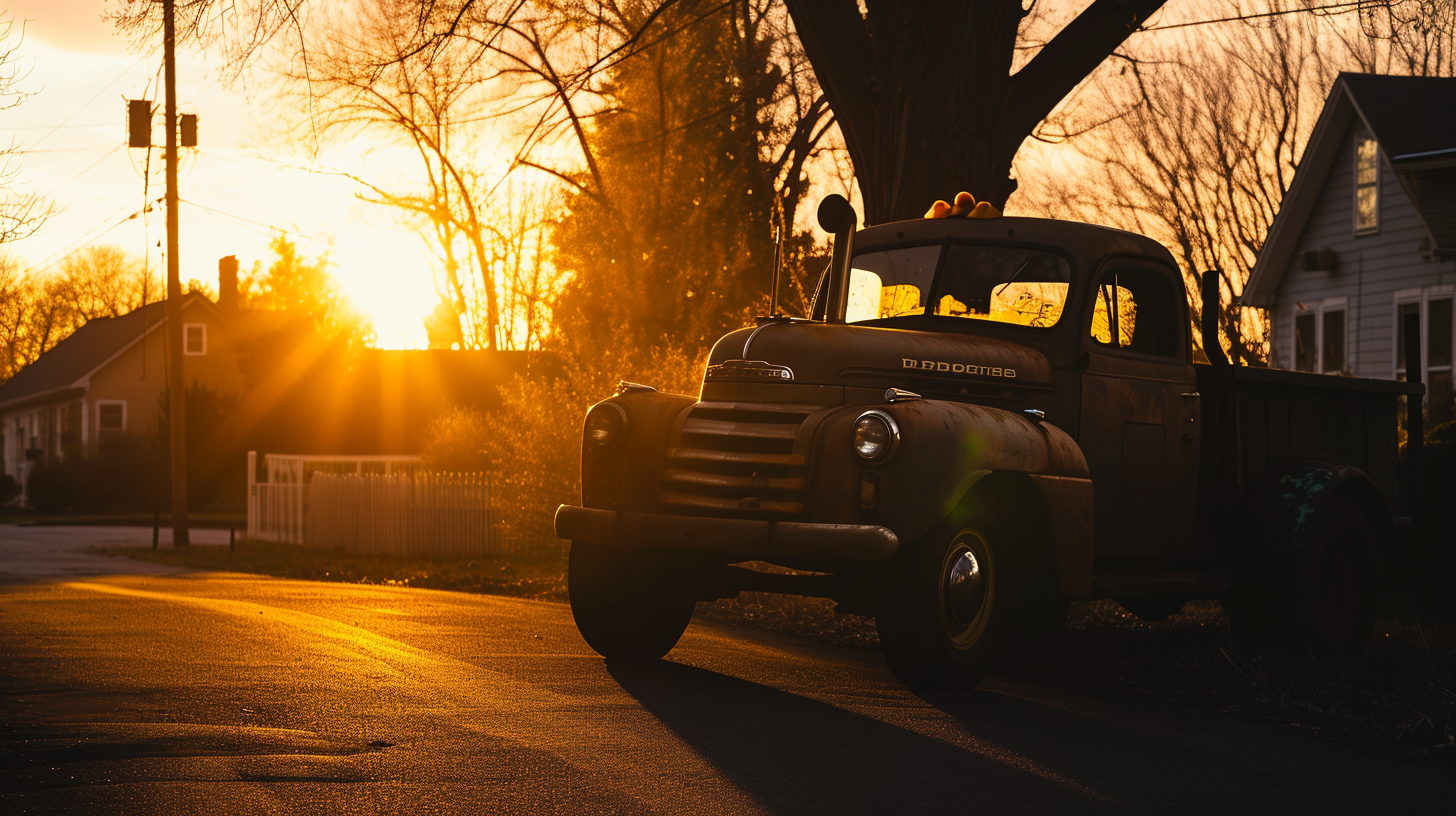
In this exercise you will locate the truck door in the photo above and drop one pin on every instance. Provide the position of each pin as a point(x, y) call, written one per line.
point(1140, 410)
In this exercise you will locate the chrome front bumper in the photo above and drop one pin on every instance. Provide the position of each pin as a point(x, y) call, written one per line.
point(749, 538)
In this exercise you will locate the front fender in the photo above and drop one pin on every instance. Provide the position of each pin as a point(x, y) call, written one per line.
point(628, 473)
point(944, 449)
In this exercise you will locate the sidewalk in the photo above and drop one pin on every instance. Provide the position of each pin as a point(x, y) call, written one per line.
point(30, 552)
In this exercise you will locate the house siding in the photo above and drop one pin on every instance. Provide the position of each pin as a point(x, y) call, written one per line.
point(138, 375)
point(1371, 268)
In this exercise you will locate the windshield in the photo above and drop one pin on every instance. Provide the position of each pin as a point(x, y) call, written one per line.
point(1002, 284)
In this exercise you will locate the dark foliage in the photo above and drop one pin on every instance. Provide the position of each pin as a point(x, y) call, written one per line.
point(215, 472)
point(677, 245)
point(121, 476)
point(1433, 517)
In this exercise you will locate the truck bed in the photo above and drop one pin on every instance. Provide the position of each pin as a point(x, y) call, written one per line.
point(1257, 416)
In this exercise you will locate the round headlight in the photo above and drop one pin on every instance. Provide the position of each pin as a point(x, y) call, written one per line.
point(605, 424)
point(875, 435)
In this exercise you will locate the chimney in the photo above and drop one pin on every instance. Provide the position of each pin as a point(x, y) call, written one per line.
point(227, 282)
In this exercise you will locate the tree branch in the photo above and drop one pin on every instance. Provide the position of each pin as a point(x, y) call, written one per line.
point(1074, 53)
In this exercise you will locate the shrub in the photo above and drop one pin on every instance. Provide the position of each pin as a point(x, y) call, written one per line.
point(215, 475)
point(455, 441)
point(532, 442)
point(122, 476)
point(51, 487)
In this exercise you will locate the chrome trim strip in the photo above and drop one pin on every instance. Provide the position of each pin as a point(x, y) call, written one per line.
point(751, 335)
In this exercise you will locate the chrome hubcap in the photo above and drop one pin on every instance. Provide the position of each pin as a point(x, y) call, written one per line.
point(965, 588)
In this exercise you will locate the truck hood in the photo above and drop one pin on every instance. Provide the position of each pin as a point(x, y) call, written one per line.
point(872, 357)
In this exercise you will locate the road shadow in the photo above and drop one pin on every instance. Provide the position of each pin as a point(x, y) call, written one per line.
point(1100, 753)
point(797, 755)
point(1157, 757)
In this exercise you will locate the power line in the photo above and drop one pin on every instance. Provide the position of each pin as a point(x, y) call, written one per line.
point(272, 228)
point(89, 237)
point(55, 150)
point(88, 102)
point(88, 169)
point(63, 127)
point(1333, 7)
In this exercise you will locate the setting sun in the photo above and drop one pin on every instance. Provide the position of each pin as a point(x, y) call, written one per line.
point(239, 190)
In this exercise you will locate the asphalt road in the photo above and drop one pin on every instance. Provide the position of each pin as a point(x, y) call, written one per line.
point(221, 693)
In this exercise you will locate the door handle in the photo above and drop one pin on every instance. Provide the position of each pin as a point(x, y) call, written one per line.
point(1190, 394)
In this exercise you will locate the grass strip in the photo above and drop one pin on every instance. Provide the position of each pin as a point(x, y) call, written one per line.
point(540, 578)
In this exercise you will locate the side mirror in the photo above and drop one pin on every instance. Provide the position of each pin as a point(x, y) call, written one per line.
point(836, 215)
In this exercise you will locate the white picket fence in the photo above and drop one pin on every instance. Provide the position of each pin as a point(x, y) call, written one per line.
point(278, 507)
point(419, 515)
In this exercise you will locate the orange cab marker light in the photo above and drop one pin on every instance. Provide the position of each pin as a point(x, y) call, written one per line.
point(965, 206)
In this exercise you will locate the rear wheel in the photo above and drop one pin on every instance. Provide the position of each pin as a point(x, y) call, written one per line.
point(1321, 593)
point(949, 605)
point(1336, 583)
point(629, 604)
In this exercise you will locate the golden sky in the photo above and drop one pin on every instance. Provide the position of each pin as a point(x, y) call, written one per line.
point(72, 134)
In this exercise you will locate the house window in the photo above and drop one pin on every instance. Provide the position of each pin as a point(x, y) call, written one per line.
point(1440, 402)
point(1332, 342)
point(1433, 308)
point(111, 416)
point(1319, 337)
point(195, 338)
point(1305, 358)
point(1367, 186)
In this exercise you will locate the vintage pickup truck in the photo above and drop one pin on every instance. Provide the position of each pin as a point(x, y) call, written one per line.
point(983, 420)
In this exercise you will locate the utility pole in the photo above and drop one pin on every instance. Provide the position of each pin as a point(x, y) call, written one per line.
point(176, 382)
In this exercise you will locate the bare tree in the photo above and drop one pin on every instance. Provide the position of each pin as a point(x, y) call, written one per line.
point(16, 294)
point(455, 82)
point(1414, 37)
point(1195, 141)
point(37, 310)
point(102, 280)
point(923, 91)
point(369, 78)
point(925, 94)
point(239, 29)
point(21, 212)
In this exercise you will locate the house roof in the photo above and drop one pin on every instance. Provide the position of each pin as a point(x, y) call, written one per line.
point(1413, 119)
point(74, 358)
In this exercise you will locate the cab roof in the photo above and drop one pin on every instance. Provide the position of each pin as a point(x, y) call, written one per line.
point(1088, 242)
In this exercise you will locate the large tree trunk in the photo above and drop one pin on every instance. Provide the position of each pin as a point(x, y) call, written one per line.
point(924, 94)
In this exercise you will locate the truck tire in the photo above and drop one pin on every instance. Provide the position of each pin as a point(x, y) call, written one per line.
point(948, 605)
point(1336, 586)
point(1320, 593)
point(629, 604)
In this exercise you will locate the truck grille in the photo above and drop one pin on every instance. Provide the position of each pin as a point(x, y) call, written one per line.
point(738, 458)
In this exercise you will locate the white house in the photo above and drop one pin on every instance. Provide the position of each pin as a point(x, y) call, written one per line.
point(1367, 234)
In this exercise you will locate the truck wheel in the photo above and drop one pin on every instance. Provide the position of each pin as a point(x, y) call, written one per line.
point(1320, 593)
point(948, 605)
point(1337, 583)
point(628, 604)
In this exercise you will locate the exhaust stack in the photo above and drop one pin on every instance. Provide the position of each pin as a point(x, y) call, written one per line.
point(836, 216)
